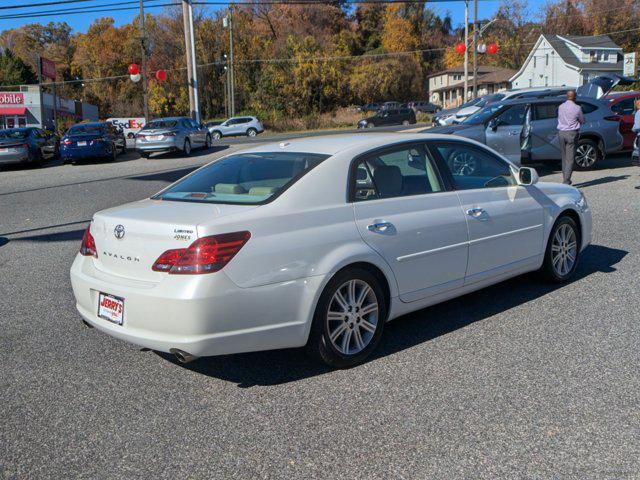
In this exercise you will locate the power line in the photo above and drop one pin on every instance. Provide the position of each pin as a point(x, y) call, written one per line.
point(71, 10)
point(42, 4)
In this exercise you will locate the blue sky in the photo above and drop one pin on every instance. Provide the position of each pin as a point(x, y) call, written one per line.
point(80, 22)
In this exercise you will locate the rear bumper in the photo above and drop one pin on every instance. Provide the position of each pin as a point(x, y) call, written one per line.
point(150, 147)
point(202, 315)
point(18, 157)
point(90, 151)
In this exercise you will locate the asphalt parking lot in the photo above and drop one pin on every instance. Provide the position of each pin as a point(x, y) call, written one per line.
point(521, 380)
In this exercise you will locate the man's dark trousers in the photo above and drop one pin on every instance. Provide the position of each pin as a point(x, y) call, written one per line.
point(568, 140)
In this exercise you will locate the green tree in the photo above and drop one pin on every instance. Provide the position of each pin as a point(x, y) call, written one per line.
point(13, 71)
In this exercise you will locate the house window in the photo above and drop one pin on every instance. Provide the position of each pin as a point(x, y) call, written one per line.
point(546, 59)
point(534, 61)
point(593, 56)
point(531, 82)
point(605, 56)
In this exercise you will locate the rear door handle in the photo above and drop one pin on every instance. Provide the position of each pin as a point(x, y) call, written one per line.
point(475, 212)
point(380, 227)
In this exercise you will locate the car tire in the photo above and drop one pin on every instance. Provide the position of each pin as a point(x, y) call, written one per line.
point(406, 123)
point(124, 147)
point(207, 143)
point(252, 132)
point(341, 336)
point(186, 148)
point(370, 125)
point(563, 251)
point(145, 154)
point(217, 135)
point(587, 154)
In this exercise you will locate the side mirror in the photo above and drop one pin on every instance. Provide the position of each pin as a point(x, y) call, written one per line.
point(493, 124)
point(527, 176)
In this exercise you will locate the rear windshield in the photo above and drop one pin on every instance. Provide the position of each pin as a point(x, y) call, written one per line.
point(249, 178)
point(10, 134)
point(161, 124)
point(82, 129)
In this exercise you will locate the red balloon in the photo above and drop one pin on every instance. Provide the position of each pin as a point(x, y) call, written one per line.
point(492, 48)
point(161, 75)
point(133, 69)
point(461, 48)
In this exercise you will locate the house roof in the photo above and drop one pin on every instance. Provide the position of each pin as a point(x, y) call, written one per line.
point(592, 41)
point(460, 69)
point(497, 75)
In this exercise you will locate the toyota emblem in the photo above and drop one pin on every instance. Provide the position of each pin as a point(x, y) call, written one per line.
point(119, 231)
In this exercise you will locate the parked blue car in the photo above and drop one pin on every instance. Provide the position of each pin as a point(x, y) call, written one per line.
point(92, 140)
point(27, 145)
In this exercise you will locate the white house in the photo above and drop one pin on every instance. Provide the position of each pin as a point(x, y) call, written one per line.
point(557, 60)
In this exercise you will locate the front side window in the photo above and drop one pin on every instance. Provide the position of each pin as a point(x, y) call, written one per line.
point(248, 179)
point(399, 172)
point(513, 116)
point(473, 167)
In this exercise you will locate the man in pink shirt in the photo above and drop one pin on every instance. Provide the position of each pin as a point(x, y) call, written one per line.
point(570, 119)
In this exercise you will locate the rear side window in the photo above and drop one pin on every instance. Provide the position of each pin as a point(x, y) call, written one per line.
point(624, 106)
point(399, 172)
point(545, 111)
point(472, 167)
point(587, 107)
point(513, 116)
point(250, 178)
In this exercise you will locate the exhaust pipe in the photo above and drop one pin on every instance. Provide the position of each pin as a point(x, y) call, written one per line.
point(183, 357)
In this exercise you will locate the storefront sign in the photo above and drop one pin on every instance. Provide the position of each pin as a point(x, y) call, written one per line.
point(48, 68)
point(11, 98)
point(630, 64)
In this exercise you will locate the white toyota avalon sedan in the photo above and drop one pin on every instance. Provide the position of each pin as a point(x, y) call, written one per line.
point(318, 242)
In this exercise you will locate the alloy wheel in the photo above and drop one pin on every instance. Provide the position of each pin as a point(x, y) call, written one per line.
point(216, 135)
point(251, 132)
point(564, 250)
point(352, 317)
point(586, 155)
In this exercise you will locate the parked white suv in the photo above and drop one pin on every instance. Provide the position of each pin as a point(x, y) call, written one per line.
point(249, 126)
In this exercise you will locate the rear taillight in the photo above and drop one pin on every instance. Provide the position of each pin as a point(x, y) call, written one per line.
point(205, 255)
point(66, 141)
point(88, 246)
point(170, 134)
point(612, 118)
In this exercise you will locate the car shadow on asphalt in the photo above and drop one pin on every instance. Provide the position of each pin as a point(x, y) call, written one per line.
point(195, 153)
point(283, 366)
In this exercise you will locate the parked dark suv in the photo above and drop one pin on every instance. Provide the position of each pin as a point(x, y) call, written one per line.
point(400, 116)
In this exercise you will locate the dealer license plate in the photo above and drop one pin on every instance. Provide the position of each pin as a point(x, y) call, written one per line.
point(82, 144)
point(111, 308)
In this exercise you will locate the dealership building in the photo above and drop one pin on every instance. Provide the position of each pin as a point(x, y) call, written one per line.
point(29, 107)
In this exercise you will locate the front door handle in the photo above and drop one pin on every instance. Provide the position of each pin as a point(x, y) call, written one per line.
point(380, 227)
point(475, 212)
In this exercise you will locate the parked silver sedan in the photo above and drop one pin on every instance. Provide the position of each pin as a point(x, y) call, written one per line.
point(170, 135)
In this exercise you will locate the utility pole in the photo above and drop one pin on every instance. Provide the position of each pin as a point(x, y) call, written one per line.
point(192, 77)
point(227, 22)
point(143, 51)
point(475, 48)
point(466, 50)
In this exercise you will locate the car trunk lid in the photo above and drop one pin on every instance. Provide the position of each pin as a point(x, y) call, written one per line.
point(130, 238)
point(599, 86)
